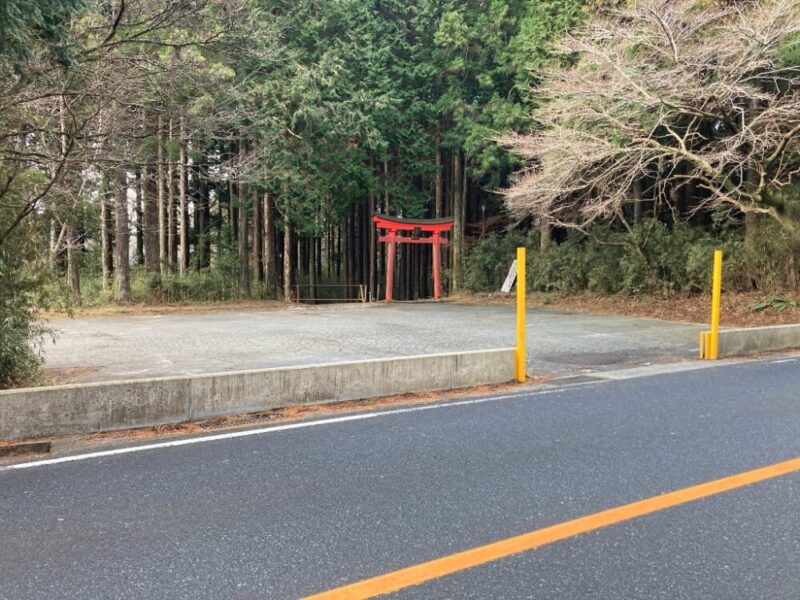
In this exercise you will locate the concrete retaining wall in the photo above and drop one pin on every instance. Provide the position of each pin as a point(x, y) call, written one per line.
point(734, 342)
point(84, 408)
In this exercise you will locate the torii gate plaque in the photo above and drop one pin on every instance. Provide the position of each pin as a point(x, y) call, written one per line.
point(414, 229)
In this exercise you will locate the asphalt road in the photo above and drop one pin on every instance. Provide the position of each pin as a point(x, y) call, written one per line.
point(133, 347)
point(295, 511)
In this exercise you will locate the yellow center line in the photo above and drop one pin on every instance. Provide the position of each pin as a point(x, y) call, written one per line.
point(417, 574)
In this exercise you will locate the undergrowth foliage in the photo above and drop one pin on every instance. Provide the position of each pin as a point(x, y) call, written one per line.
point(21, 332)
point(653, 258)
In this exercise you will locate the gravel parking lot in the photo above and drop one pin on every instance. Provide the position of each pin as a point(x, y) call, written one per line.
point(131, 347)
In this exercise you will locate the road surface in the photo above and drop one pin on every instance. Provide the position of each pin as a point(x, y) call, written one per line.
point(303, 508)
point(133, 347)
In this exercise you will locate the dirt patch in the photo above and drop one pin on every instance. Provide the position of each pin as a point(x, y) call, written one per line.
point(67, 375)
point(115, 310)
point(736, 311)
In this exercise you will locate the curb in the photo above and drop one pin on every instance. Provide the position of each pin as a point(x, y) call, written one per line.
point(94, 407)
point(754, 340)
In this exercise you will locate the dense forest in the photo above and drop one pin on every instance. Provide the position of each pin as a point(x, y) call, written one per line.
point(170, 150)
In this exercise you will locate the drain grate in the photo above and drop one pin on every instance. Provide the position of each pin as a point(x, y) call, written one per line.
point(25, 448)
point(588, 359)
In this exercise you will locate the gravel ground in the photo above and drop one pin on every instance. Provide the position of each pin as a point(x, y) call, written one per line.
point(559, 343)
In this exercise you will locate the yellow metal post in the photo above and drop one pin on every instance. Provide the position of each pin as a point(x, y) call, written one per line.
point(519, 363)
point(716, 297)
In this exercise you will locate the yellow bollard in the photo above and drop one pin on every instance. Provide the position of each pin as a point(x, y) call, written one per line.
point(716, 297)
point(519, 362)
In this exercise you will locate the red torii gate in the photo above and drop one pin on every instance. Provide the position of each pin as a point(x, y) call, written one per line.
point(415, 227)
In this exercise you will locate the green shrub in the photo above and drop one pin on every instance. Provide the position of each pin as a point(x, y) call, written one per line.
point(774, 303)
point(769, 260)
point(486, 265)
point(562, 268)
point(21, 332)
point(653, 257)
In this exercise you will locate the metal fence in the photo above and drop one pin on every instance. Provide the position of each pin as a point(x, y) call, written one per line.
point(308, 294)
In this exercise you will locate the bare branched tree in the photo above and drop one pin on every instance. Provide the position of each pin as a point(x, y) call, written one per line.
point(664, 92)
point(139, 56)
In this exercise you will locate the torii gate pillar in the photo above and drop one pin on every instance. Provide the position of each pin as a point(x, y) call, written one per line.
point(437, 266)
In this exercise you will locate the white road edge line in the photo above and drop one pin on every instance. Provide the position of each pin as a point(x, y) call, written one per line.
point(265, 430)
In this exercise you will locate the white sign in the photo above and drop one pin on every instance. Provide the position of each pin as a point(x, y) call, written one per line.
point(510, 278)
